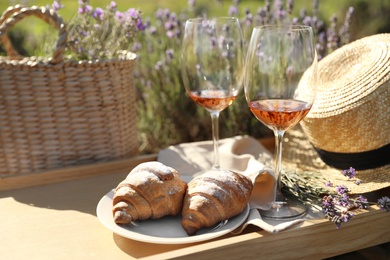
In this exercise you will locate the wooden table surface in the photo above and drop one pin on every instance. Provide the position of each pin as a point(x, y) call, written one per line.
point(53, 216)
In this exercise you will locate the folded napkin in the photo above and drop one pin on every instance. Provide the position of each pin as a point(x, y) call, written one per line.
point(242, 154)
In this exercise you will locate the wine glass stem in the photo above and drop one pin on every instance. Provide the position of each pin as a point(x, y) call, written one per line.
point(278, 163)
point(215, 133)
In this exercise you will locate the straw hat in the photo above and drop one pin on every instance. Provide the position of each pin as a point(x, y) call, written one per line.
point(349, 123)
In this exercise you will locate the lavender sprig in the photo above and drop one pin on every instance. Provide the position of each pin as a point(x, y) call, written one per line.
point(332, 213)
point(384, 203)
point(330, 203)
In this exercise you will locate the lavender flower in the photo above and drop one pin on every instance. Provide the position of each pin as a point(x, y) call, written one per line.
point(57, 6)
point(361, 202)
point(344, 30)
point(119, 17)
point(112, 7)
point(384, 203)
point(233, 10)
point(343, 200)
point(85, 9)
point(158, 65)
point(170, 54)
point(98, 14)
point(342, 189)
point(343, 216)
point(248, 17)
point(334, 215)
point(350, 173)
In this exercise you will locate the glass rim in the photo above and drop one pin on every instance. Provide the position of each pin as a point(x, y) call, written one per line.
point(201, 19)
point(292, 27)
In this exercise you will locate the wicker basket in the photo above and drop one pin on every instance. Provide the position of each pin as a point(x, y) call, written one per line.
point(55, 112)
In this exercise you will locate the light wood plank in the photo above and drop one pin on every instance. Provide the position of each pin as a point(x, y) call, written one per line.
point(318, 241)
point(72, 173)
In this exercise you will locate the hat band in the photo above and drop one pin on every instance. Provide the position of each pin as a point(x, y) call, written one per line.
point(360, 161)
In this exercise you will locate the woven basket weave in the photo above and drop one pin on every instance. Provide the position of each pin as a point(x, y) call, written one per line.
point(56, 113)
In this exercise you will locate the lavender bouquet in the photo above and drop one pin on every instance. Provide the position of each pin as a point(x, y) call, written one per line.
point(97, 33)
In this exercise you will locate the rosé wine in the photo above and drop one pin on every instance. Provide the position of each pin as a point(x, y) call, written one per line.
point(212, 100)
point(279, 114)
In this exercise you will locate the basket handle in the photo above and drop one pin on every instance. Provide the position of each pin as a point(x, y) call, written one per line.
point(15, 14)
point(9, 48)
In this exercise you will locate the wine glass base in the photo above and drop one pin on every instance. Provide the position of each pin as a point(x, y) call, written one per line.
point(289, 208)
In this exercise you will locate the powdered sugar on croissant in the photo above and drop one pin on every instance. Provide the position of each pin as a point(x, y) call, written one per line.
point(213, 197)
point(151, 190)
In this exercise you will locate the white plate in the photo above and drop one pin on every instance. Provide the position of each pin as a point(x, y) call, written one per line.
point(167, 230)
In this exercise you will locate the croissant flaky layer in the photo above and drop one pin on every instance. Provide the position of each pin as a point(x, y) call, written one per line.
point(213, 197)
point(151, 190)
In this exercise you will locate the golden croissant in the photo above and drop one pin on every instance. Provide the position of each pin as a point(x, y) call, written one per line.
point(150, 191)
point(213, 197)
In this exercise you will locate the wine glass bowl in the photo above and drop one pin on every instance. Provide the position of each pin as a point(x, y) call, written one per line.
point(280, 83)
point(212, 66)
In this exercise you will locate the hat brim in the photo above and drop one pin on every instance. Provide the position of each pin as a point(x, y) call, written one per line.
point(299, 155)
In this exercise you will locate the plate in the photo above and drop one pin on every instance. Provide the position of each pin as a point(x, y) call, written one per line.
point(166, 230)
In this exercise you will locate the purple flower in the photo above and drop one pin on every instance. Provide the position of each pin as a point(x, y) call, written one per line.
point(328, 184)
point(248, 18)
point(350, 173)
point(119, 17)
point(152, 30)
point(85, 9)
point(112, 7)
point(56, 5)
point(158, 65)
point(98, 14)
point(136, 47)
point(361, 202)
point(159, 14)
point(140, 25)
point(131, 12)
point(213, 41)
point(168, 25)
point(169, 53)
point(328, 204)
point(344, 216)
point(334, 215)
point(342, 189)
point(343, 200)
point(384, 203)
point(170, 34)
point(233, 10)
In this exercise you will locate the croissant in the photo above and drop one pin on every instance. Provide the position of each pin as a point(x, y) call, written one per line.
point(150, 191)
point(213, 197)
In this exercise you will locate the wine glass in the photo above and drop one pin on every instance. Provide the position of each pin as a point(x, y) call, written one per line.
point(212, 65)
point(280, 83)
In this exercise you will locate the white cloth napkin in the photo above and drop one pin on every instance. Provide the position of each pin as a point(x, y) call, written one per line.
point(240, 154)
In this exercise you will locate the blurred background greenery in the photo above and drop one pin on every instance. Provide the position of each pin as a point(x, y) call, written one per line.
point(166, 115)
point(371, 16)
